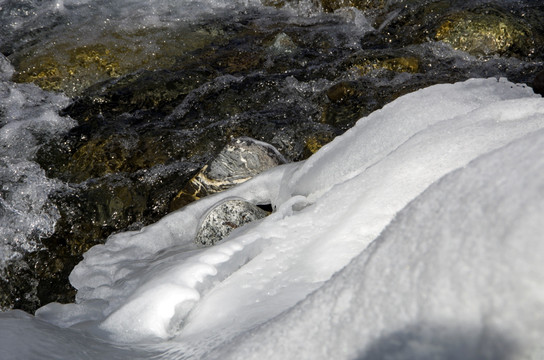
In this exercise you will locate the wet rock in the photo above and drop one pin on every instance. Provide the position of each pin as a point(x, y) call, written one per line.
point(332, 5)
point(89, 213)
point(239, 161)
point(283, 44)
point(486, 32)
point(347, 101)
point(317, 141)
point(341, 91)
point(156, 92)
point(116, 153)
point(538, 83)
point(18, 284)
point(71, 66)
point(409, 64)
point(506, 29)
point(223, 218)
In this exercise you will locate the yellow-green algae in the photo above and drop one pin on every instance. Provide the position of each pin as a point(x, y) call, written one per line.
point(485, 33)
point(409, 64)
point(71, 65)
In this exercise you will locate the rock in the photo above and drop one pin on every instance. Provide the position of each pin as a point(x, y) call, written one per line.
point(317, 141)
point(341, 91)
point(283, 44)
point(332, 5)
point(238, 162)
point(224, 218)
point(486, 32)
point(538, 83)
point(409, 64)
point(71, 65)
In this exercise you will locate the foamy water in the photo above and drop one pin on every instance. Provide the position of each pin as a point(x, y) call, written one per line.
point(29, 116)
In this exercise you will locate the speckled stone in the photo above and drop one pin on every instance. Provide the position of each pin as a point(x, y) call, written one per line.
point(239, 161)
point(224, 218)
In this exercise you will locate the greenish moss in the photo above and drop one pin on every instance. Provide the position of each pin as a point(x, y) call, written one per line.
point(486, 33)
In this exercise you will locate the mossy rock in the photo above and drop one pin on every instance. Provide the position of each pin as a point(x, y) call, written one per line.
point(332, 5)
point(317, 141)
point(71, 66)
point(347, 101)
point(408, 64)
point(487, 32)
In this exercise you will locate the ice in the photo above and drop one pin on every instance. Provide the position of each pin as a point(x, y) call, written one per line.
point(413, 235)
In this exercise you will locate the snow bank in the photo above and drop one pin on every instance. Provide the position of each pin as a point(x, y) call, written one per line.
point(457, 275)
point(457, 268)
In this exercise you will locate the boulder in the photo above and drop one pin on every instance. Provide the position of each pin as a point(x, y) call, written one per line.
point(486, 32)
point(238, 162)
point(224, 217)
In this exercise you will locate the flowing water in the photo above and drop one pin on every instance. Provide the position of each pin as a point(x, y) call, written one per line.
point(108, 108)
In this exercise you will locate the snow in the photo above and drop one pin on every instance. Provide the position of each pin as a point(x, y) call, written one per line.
point(456, 275)
point(415, 235)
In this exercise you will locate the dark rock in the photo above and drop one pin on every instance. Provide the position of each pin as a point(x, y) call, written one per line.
point(538, 83)
point(332, 5)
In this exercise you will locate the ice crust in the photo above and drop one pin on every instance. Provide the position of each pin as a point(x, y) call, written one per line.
point(415, 235)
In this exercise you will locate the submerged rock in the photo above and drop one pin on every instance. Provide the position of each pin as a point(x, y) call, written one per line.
point(486, 32)
point(283, 44)
point(332, 5)
point(238, 162)
point(315, 142)
point(222, 219)
point(408, 64)
point(71, 65)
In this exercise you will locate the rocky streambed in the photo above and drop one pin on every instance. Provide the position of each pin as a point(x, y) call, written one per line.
point(138, 100)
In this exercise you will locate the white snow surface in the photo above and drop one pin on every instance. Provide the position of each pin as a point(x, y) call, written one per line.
point(415, 235)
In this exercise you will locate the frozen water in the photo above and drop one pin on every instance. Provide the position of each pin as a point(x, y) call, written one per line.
point(414, 234)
